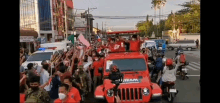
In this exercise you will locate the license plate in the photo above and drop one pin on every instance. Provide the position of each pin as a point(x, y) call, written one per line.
point(182, 63)
point(173, 90)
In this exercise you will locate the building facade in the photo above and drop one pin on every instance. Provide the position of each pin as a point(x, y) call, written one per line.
point(47, 17)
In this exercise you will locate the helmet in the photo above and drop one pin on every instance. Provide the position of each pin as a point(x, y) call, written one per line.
point(169, 62)
point(113, 68)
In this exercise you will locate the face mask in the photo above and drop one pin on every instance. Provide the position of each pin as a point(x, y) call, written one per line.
point(96, 59)
point(62, 96)
point(34, 88)
point(133, 38)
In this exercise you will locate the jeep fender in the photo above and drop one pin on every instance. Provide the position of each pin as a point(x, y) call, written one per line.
point(156, 90)
point(99, 93)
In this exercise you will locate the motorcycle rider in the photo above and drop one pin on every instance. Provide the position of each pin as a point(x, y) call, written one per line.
point(169, 73)
point(150, 54)
point(177, 60)
point(158, 65)
point(178, 49)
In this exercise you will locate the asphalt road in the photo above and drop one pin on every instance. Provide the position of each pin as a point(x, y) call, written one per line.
point(189, 89)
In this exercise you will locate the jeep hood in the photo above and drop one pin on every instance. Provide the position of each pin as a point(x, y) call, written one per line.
point(131, 81)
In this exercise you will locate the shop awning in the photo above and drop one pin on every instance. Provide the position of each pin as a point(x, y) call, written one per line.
point(28, 33)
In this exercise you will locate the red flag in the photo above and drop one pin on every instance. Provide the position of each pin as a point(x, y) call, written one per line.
point(83, 40)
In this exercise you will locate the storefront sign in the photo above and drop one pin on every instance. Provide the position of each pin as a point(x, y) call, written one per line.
point(26, 38)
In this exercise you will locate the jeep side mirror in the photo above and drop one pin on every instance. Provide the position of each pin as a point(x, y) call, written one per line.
point(100, 70)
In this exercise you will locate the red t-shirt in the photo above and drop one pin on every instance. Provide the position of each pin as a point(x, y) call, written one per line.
point(99, 49)
point(22, 98)
point(96, 65)
point(101, 61)
point(69, 100)
point(135, 45)
point(122, 46)
point(146, 56)
point(74, 94)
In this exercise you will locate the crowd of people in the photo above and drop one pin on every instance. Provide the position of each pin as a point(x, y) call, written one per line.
point(70, 76)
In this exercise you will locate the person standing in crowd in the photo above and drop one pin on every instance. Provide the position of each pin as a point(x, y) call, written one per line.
point(35, 94)
point(119, 41)
point(45, 76)
point(81, 79)
point(22, 56)
point(197, 43)
point(63, 73)
point(55, 83)
point(63, 95)
point(73, 92)
point(23, 90)
point(97, 76)
point(31, 72)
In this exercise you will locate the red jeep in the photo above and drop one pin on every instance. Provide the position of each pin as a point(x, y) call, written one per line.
point(136, 86)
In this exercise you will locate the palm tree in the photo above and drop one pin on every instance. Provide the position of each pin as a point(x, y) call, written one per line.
point(156, 4)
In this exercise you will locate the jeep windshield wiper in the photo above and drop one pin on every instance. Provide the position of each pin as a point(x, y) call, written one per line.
point(127, 70)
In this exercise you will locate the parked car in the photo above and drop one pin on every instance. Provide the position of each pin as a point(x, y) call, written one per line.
point(187, 44)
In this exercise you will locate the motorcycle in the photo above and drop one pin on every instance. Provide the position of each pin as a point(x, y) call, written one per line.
point(183, 73)
point(170, 91)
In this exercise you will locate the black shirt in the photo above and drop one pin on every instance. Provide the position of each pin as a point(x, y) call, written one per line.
point(55, 87)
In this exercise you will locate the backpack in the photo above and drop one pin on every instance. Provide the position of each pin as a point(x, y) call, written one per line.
point(31, 98)
point(182, 58)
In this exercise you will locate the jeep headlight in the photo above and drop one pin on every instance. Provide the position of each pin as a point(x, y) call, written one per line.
point(146, 91)
point(110, 92)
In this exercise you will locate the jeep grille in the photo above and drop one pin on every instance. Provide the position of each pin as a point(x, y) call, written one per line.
point(130, 94)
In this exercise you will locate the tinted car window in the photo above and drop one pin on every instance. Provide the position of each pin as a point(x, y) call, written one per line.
point(128, 64)
point(186, 41)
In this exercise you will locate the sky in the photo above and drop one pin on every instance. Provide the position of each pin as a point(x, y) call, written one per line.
point(123, 8)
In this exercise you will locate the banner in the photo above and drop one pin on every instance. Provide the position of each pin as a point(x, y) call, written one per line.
point(26, 38)
point(83, 40)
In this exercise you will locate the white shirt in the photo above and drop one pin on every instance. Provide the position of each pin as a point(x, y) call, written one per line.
point(169, 75)
point(178, 60)
point(90, 59)
point(44, 75)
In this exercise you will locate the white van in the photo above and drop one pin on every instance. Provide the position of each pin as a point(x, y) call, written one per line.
point(148, 43)
point(60, 45)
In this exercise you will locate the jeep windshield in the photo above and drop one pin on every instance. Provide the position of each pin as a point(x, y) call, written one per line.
point(127, 64)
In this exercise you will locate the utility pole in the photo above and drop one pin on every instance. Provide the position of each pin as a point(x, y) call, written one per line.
point(65, 20)
point(102, 29)
point(89, 25)
point(105, 30)
point(97, 27)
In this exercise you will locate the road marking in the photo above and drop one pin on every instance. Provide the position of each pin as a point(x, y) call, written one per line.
point(193, 65)
point(191, 75)
point(189, 67)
